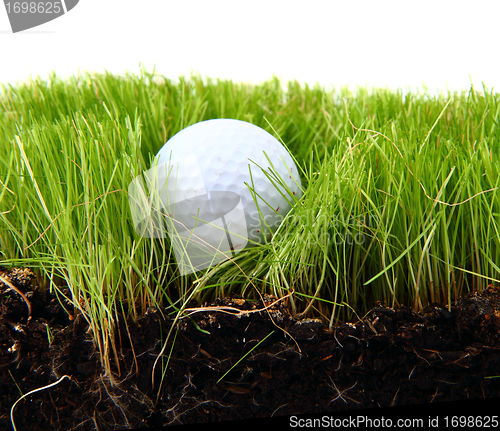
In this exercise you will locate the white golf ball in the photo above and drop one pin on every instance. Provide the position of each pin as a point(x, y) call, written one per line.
point(219, 167)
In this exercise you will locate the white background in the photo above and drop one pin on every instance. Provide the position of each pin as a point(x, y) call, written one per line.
point(397, 44)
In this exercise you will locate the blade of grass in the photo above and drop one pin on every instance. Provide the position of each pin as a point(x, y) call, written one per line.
point(245, 355)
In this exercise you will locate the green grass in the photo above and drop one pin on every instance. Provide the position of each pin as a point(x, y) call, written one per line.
point(401, 196)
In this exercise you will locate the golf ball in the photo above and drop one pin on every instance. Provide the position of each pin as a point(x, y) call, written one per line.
point(228, 172)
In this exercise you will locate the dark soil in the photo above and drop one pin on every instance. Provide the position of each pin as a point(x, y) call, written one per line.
point(390, 358)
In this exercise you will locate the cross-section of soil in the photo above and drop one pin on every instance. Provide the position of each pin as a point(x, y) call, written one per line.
point(237, 359)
